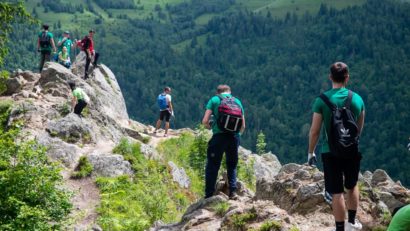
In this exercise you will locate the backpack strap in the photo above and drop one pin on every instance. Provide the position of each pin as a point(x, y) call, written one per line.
point(327, 102)
point(348, 101)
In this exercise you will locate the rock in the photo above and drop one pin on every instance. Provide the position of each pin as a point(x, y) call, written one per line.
point(109, 165)
point(54, 79)
point(14, 85)
point(179, 176)
point(380, 176)
point(296, 189)
point(149, 152)
point(96, 228)
point(266, 166)
point(71, 129)
point(30, 76)
point(59, 150)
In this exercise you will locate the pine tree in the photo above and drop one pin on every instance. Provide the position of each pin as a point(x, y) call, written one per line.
point(260, 143)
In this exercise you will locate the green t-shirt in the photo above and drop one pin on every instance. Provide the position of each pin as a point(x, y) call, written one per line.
point(49, 34)
point(213, 104)
point(337, 96)
point(78, 93)
point(401, 220)
point(67, 43)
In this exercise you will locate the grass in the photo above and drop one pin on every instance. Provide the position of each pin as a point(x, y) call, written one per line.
point(84, 168)
point(270, 226)
point(150, 195)
point(220, 208)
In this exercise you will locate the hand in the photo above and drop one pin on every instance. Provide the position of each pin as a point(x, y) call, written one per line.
point(312, 159)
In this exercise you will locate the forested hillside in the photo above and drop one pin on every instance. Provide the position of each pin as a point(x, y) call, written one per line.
point(276, 62)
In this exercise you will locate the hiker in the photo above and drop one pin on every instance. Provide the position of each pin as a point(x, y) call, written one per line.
point(400, 219)
point(87, 45)
point(166, 109)
point(45, 44)
point(66, 42)
point(229, 123)
point(64, 58)
point(79, 100)
point(341, 164)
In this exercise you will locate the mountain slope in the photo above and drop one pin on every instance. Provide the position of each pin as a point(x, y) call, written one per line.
point(275, 65)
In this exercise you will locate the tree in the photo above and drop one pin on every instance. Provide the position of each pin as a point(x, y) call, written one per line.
point(10, 13)
point(260, 143)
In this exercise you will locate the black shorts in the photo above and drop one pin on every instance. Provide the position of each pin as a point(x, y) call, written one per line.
point(165, 114)
point(336, 168)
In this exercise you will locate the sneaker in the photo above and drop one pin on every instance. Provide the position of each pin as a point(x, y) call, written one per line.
point(233, 196)
point(353, 227)
point(165, 135)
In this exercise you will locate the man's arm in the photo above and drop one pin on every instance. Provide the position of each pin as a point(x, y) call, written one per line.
point(53, 44)
point(205, 120)
point(243, 124)
point(314, 131)
point(360, 122)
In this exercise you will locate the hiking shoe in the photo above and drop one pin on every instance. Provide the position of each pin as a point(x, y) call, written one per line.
point(233, 196)
point(353, 227)
point(328, 197)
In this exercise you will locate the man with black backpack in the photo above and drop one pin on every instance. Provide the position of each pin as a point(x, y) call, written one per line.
point(45, 43)
point(229, 123)
point(342, 112)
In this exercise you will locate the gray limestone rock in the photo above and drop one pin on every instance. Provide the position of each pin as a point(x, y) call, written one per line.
point(109, 165)
point(179, 176)
point(266, 166)
point(71, 129)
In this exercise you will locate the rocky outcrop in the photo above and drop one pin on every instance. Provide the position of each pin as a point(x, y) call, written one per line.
point(179, 176)
point(109, 165)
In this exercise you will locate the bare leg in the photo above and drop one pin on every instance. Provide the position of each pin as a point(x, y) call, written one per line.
point(166, 127)
point(338, 206)
point(353, 198)
point(158, 125)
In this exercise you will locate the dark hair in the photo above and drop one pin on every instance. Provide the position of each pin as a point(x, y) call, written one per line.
point(222, 88)
point(72, 85)
point(339, 72)
point(91, 31)
point(167, 89)
point(45, 26)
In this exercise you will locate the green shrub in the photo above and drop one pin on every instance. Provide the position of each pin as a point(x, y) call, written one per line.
point(270, 226)
point(5, 107)
point(83, 169)
point(197, 152)
point(260, 143)
point(136, 203)
point(146, 139)
point(221, 208)
point(64, 109)
point(4, 75)
point(31, 194)
point(239, 221)
point(246, 173)
point(294, 228)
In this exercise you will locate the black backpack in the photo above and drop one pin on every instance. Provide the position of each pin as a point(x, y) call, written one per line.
point(45, 40)
point(229, 115)
point(344, 133)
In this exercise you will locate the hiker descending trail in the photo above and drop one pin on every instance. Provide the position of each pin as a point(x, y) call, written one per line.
point(166, 109)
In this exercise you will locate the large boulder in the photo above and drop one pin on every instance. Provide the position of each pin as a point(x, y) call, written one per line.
point(71, 129)
point(109, 165)
point(296, 188)
point(54, 79)
point(266, 166)
point(14, 85)
point(58, 150)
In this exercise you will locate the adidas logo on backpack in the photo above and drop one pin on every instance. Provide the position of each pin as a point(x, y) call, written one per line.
point(344, 132)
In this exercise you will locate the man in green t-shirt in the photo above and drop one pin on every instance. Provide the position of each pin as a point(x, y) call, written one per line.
point(221, 142)
point(45, 43)
point(79, 100)
point(339, 172)
point(401, 219)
